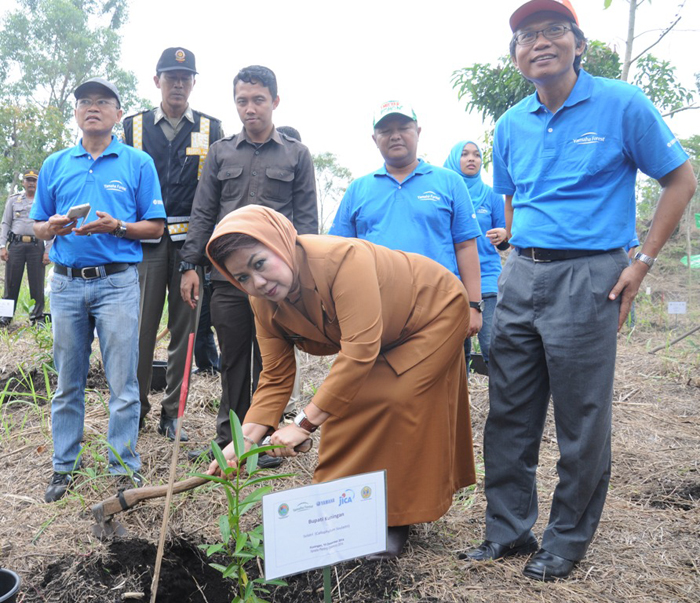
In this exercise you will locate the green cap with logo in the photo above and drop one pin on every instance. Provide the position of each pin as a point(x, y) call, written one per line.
point(392, 107)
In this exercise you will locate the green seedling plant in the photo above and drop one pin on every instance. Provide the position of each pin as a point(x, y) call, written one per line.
point(238, 545)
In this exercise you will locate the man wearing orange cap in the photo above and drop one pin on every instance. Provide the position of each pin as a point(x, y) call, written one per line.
point(566, 159)
point(19, 247)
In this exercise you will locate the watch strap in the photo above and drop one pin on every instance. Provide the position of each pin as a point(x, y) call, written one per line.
point(302, 421)
point(647, 259)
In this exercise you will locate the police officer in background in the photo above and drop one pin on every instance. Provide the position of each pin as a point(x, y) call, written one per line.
point(178, 140)
point(19, 247)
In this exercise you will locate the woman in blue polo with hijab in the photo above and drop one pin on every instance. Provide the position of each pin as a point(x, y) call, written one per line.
point(465, 159)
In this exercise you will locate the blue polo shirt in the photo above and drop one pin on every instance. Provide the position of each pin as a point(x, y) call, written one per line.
point(490, 214)
point(572, 173)
point(428, 213)
point(122, 182)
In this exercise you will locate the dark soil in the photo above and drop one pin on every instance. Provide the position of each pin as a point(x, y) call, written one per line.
point(125, 573)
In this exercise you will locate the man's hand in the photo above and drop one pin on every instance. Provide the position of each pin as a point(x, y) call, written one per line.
point(104, 224)
point(4, 254)
point(60, 225)
point(45, 259)
point(628, 286)
point(189, 288)
point(475, 322)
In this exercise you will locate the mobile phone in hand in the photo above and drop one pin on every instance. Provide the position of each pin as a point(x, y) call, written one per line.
point(78, 211)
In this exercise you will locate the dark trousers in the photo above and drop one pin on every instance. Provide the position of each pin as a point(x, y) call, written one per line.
point(241, 363)
point(31, 255)
point(554, 332)
point(206, 356)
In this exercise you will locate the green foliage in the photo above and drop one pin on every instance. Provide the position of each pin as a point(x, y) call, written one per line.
point(658, 80)
point(332, 180)
point(47, 48)
point(238, 545)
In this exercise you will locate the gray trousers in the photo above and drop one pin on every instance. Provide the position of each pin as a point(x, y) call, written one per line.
point(158, 273)
point(554, 332)
point(31, 256)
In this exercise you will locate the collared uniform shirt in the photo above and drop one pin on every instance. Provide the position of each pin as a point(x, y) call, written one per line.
point(572, 174)
point(278, 174)
point(170, 129)
point(16, 218)
point(122, 182)
point(428, 213)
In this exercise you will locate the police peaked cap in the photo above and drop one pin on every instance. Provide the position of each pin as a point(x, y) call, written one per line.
point(176, 59)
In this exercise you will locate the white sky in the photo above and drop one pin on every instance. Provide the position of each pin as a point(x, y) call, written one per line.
point(336, 61)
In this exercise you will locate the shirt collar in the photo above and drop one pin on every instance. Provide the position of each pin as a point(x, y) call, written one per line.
point(243, 137)
point(159, 114)
point(422, 168)
point(115, 148)
point(580, 92)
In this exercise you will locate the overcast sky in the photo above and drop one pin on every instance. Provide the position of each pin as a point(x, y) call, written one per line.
point(336, 61)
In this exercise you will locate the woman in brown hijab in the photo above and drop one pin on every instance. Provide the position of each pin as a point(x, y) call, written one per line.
point(396, 395)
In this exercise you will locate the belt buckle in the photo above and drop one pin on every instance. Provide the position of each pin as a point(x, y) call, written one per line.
point(535, 258)
point(84, 272)
point(26, 239)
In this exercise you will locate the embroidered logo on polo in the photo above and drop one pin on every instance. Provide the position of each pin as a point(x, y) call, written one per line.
point(429, 196)
point(115, 185)
point(589, 138)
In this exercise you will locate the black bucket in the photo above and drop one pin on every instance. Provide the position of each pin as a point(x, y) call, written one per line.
point(9, 586)
point(160, 368)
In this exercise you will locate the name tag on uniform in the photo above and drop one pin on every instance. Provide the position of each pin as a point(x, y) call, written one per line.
point(199, 140)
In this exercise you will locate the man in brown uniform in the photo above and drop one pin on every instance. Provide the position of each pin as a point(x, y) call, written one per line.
point(256, 166)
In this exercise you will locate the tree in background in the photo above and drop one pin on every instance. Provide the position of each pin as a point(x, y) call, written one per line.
point(492, 90)
point(47, 48)
point(332, 180)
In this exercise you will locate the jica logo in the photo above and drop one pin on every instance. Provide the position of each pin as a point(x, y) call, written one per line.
point(346, 497)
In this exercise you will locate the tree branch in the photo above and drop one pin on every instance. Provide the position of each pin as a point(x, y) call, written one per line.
point(688, 108)
point(661, 37)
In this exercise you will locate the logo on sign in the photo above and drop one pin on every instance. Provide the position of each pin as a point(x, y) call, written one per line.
point(283, 510)
point(346, 497)
point(366, 492)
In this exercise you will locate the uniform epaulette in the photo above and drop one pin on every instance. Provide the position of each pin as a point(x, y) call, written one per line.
point(209, 117)
point(139, 113)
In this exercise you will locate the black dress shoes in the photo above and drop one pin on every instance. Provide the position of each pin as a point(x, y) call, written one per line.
point(491, 551)
point(547, 566)
point(395, 541)
point(167, 427)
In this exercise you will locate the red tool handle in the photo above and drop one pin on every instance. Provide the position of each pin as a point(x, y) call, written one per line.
point(186, 377)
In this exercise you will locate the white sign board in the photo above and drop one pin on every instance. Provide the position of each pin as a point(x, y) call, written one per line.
point(677, 307)
point(7, 307)
point(323, 524)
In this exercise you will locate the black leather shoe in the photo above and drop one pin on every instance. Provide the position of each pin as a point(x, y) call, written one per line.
point(203, 454)
point(395, 541)
point(265, 461)
point(127, 482)
point(167, 428)
point(491, 551)
point(58, 486)
point(546, 566)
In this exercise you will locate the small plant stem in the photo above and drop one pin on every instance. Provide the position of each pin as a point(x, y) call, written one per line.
point(327, 584)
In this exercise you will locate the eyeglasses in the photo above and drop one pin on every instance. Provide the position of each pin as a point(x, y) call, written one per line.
point(553, 32)
point(102, 103)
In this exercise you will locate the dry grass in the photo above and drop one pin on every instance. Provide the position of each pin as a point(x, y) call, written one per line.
point(647, 547)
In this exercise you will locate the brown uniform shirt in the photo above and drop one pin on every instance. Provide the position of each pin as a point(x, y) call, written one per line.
point(278, 174)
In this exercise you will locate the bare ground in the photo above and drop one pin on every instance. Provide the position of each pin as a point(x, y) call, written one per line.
point(647, 547)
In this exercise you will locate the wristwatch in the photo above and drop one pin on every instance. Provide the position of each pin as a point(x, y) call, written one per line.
point(301, 421)
point(185, 266)
point(477, 305)
point(120, 230)
point(647, 259)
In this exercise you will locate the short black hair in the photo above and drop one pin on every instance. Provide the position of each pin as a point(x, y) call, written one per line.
point(289, 131)
point(580, 39)
point(257, 74)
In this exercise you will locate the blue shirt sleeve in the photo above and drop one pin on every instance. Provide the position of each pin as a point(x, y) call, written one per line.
point(464, 223)
point(44, 205)
point(149, 199)
point(343, 223)
point(498, 211)
point(502, 182)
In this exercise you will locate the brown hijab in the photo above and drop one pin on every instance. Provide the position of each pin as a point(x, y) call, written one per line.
point(269, 227)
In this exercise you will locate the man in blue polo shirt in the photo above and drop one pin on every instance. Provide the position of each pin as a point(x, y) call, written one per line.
point(95, 283)
point(566, 158)
point(413, 206)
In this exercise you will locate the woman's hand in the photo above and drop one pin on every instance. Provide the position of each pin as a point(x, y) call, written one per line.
point(496, 235)
point(289, 436)
point(230, 455)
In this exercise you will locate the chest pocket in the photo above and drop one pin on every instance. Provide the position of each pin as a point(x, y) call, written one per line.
point(278, 184)
point(231, 183)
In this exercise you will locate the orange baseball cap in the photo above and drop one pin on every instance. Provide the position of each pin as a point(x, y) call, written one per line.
point(563, 7)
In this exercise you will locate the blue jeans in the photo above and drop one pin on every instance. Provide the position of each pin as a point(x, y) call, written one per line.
point(78, 307)
point(485, 334)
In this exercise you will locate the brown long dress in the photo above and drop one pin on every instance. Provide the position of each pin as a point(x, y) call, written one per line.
point(397, 391)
